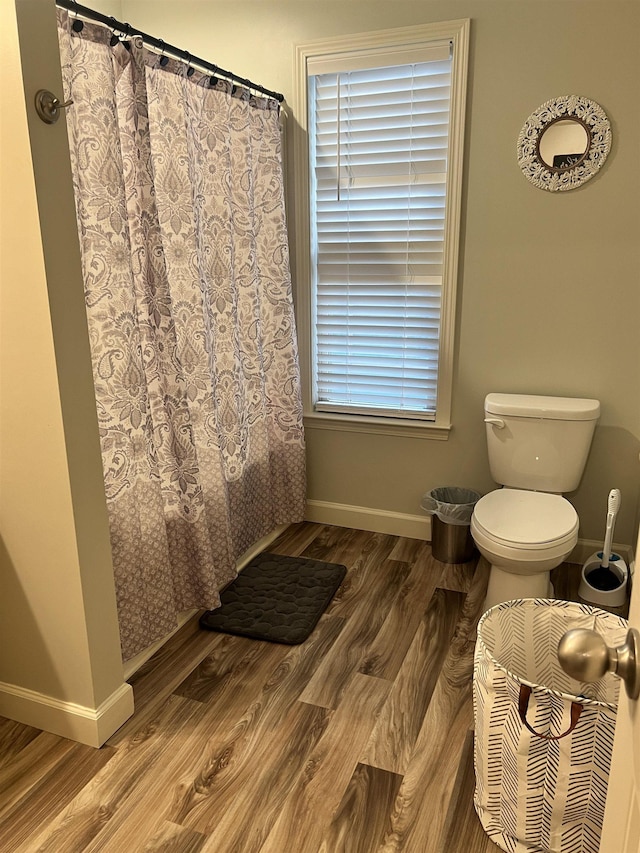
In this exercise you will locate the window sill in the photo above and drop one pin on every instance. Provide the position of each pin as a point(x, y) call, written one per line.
point(377, 425)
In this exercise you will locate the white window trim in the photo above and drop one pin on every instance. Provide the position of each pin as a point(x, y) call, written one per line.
point(458, 33)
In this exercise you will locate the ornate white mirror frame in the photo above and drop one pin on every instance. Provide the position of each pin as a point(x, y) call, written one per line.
point(571, 169)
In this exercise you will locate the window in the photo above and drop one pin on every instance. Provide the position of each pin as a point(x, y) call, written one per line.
point(385, 124)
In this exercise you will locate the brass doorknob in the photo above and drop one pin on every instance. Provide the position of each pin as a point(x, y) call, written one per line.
point(585, 656)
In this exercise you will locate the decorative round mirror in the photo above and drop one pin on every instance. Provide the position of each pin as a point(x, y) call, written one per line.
point(564, 143)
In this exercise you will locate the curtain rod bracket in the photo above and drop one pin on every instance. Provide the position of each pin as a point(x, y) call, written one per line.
point(48, 106)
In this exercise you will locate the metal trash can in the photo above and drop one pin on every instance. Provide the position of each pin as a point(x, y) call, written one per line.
point(451, 508)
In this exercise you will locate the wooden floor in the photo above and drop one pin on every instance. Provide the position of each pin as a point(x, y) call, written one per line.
point(358, 741)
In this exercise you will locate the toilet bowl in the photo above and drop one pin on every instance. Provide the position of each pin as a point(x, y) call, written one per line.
point(538, 447)
point(523, 535)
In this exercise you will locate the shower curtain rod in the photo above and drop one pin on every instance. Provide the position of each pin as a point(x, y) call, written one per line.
point(128, 31)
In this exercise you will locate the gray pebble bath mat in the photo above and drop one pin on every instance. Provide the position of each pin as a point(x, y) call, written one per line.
point(276, 598)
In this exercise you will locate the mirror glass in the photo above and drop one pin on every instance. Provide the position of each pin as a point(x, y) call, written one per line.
point(563, 144)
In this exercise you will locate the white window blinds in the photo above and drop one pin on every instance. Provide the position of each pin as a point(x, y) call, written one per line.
point(379, 139)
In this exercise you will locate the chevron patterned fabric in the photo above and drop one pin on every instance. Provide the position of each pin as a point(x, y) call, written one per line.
point(535, 795)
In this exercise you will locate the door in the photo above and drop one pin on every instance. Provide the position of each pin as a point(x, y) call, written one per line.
point(621, 830)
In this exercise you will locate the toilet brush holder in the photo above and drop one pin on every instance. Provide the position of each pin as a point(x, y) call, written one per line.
point(605, 587)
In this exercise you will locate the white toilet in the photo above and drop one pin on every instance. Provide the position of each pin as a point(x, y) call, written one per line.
point(538, 447)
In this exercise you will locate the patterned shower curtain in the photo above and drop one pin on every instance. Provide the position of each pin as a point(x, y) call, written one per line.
point(180, 206)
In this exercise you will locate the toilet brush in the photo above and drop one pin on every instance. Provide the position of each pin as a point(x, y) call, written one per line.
point(613, 505)
point(604, 575)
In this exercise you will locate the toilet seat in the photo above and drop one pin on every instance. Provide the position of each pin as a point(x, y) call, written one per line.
point(528, 521)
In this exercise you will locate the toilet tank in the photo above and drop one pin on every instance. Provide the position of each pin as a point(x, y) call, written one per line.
point(539, 443)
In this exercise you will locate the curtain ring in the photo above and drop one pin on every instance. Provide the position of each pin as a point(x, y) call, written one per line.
point(77, 25)
point(126, 36)
point(190, 68)
point(163, 59)
point(113, 41)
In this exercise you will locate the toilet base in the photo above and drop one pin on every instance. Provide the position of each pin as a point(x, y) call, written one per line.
point(505, 586)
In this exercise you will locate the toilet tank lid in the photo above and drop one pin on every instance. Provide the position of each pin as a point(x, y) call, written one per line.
point(535, 406)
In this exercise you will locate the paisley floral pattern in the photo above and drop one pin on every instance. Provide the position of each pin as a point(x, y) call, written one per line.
point(180, 204)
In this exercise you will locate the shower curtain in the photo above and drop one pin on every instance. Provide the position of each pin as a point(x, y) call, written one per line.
point(180, 208)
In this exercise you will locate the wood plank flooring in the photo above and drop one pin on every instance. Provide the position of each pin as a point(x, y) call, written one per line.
point(357, 741)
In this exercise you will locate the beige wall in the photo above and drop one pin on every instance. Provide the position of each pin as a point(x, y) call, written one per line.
point(549, 290)
point(108, 7)
point(58, 625)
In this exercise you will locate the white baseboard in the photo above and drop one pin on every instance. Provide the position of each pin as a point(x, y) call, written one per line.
point(133, 665)
point(91, 726)
point(259, 546)
point(419, 526)
point(586, 547)
point(366, 518)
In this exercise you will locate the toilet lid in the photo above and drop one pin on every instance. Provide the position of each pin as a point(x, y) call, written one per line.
point(529, 519)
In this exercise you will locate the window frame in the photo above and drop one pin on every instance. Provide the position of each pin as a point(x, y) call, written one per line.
point(375, 43)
